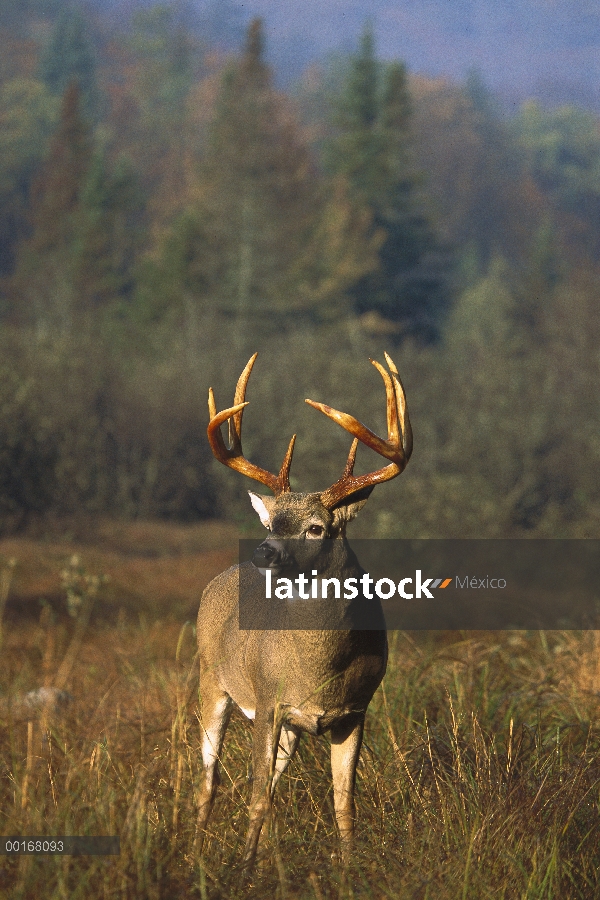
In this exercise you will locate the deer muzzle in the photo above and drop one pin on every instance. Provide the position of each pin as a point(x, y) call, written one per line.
point(272, 555)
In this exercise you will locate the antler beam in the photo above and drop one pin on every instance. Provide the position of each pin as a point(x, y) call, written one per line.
point(233, 457)
point(397, 448)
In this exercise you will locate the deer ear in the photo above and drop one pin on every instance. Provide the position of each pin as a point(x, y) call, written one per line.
point(261, 505)
point(349, 508)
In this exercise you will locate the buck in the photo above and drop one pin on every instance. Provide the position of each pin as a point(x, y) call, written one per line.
point(293, 681)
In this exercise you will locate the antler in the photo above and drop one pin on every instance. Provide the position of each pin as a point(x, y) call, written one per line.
point(397, 448)
point(234, 457)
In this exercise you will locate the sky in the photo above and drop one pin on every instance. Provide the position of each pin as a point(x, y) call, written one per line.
point(544, 48)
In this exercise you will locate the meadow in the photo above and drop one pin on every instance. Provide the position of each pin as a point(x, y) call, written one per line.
point(479, 776)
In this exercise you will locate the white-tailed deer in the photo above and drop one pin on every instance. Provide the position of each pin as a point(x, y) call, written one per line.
point(290, 681)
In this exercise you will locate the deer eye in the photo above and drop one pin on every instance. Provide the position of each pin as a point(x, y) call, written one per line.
point(316, 530)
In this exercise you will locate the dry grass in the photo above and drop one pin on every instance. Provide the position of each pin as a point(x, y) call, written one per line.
point(479, 776)
point(153, 567)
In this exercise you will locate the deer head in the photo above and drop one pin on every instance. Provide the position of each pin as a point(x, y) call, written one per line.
point(324, 514)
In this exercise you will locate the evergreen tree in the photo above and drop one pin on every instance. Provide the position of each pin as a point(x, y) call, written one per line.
point(544, 271)
point(109, 235)
point(495, 173)
point(286, 238)
point(373, 150)
point(166, 54)
point(57, 191)
point(28, 116)
point(485, 203)
point(158, 135)
point(261, 237)
point(76, 268)
point(70, 56)
point(44, 280)
point(260, 189)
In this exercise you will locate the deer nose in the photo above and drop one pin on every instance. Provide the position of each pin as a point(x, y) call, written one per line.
point(265, 555)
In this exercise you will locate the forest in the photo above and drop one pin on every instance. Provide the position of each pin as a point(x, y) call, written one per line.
point(166, 210)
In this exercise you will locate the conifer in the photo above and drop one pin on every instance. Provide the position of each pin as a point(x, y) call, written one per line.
point(372, 149)
point(70, 57)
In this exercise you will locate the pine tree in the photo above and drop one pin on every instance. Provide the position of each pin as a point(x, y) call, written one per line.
point(497, 178)
point(70, 57)
point(262, 237)
point(166, 54)
point(373, 150)
point(108, 238)
point(45, 276)
point(28, 116)
point(75, 271)
point(261, 191)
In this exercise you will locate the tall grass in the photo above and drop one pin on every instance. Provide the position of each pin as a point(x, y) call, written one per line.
point(479, 776)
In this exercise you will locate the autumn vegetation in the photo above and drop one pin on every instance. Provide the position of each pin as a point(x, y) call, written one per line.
point(166, 210)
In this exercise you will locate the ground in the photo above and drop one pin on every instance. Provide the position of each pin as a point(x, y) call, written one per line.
point(479, 777)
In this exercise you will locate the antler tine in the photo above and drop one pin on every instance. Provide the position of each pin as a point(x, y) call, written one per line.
point(235, 422)
point(233, 457)
point(391, 404)
point(396, 448)
point(405, 426)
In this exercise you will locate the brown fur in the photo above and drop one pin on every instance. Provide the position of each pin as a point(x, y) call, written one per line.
point(292, 681)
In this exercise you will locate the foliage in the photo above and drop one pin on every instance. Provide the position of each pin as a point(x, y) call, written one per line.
point(260, 234)
point(150, 244)
point(373, 151)
point(28, 451)
point(78, 260)
point(260, 188)
point(562, 155)
point(86, 430)
point(70, 57)
point(27, 118)
point(44, 282)
point(485, 203)
point(109, 236)
point(562, 148)
point(201, 220)
point(167, 56)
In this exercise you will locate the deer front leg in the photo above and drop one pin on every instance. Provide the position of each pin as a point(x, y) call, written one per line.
point(215, 710)
point(264, 754)
point(288, 744)
point(346, 740)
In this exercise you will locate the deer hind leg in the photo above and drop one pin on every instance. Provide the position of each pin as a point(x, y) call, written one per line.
point(346, 740)
point(265, 753)
point(215, 711)
point(288, 744)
